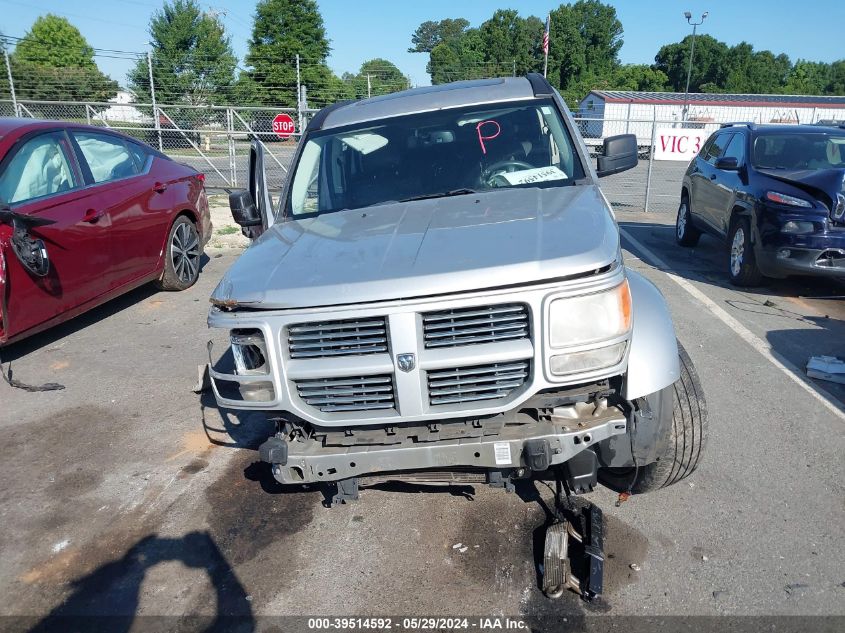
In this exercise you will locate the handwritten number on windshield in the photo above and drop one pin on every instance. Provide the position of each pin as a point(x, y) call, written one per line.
point(481, 135)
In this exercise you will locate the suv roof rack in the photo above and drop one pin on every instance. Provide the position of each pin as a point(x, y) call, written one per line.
point(749, 124)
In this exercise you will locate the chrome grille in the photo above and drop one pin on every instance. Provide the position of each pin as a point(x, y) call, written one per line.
point(482, 382)
point(467, 326)
point(357, 393)
point(337, 338)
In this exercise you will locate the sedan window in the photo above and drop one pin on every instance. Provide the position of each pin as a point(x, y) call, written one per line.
point(107, 156)
point(39, 168)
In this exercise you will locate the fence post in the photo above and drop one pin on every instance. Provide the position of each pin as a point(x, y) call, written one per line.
point(11, 82)
point(650, 159)
point(298, 95)
point(88, 114)
point(153, 98)
point(230, 126)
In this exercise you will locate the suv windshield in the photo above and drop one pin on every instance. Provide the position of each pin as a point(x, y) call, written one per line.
point(794, 150)
point(434, 154)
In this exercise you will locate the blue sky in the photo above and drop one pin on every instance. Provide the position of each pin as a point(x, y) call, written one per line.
point(364, 29)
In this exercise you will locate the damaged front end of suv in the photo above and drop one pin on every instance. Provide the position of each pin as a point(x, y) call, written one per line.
point(440, 296)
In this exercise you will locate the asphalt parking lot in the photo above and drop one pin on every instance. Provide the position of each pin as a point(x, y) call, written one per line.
point(127, 494)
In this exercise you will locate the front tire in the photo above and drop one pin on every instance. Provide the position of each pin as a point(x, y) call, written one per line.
point(742, 261)
point(685, 445)
point(182, 258)
point(685, 233)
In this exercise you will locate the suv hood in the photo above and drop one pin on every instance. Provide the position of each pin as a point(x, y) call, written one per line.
point(823, 183)
point(425, 247)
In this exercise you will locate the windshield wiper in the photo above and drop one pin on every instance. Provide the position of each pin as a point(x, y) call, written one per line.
point(442, 194)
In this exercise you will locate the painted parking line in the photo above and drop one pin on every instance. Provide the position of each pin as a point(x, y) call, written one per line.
point(787, 367)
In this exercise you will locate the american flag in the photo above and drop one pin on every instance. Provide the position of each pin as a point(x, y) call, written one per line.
point(546, 36)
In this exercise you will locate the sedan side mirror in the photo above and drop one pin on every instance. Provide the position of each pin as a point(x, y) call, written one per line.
point(244, 211)
point(620, 154)
point(728, 163)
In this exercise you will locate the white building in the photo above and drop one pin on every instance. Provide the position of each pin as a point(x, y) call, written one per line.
point(122, 110)
point(606, 113)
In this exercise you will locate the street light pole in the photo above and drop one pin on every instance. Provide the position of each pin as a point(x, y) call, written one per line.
point(694, 25)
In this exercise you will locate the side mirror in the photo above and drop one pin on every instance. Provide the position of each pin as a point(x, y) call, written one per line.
point(244, 211)
point(728, 163)
point(620, 154)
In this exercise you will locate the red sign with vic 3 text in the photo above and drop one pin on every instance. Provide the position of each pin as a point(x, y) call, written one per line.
point(283, 125)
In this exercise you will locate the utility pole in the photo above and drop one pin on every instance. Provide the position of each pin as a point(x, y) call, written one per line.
point(298, 93)
point(695, 25)
point(11, 83)
point(369, 87)
point(156, 120)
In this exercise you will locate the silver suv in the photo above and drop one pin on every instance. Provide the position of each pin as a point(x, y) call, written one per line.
point(439, 295)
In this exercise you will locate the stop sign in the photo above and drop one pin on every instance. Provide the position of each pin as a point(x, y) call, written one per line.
point(283, 125)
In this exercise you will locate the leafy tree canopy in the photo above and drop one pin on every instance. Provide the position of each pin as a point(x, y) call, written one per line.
point(384, 78)
point(54, 61)
point(281, 30)
point(192, 59)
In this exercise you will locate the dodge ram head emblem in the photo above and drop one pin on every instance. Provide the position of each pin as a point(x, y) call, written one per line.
point(406, 362)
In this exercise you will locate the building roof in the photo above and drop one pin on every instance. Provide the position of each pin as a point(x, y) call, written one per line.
point(452, 95)
point(716, 99)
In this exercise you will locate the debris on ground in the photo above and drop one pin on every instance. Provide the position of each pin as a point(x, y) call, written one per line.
point(635, 567)
point(457, 545)
point(828, 368)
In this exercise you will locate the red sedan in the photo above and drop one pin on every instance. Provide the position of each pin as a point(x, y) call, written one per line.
point(87, 214)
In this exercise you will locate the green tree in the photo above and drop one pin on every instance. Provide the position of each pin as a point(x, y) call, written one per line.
point(54, 61)
point(585, 39)
point(429, 34)
point(511, 43)
point(281, 30)
point(807, 78)
point(640, 77)
point(710, 66)
point(192, 59)
point(836, 80)
point(384, 78)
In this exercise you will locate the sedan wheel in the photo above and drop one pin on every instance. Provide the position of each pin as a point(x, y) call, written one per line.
point(182, 264)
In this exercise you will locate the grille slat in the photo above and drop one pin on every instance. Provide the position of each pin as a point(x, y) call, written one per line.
point(470, 326)
point(483, 382)
point(337, 338)
point(348, 394)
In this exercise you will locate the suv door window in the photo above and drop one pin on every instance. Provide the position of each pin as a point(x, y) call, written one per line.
point(107, 156)
point(40, 167)
point(717, 147)
point(736, 148)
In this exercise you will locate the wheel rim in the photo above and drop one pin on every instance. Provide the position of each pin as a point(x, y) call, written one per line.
point(185, 252)
point(737, 251)
point(681, 223)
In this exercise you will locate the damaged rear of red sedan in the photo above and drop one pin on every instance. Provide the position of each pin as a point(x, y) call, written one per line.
point(87, 214)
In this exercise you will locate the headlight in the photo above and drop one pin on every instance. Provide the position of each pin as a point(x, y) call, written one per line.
point(249, 352)
point(790, 201)
point(589, 360)
point(590, 318)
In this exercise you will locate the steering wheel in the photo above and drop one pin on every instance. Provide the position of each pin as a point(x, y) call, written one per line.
point(493, 175)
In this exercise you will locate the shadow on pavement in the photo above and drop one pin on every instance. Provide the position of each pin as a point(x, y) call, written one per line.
point(107, 599)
